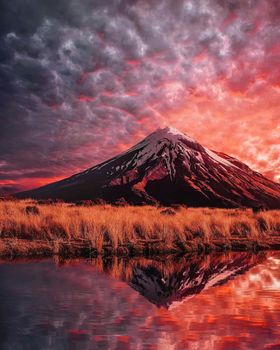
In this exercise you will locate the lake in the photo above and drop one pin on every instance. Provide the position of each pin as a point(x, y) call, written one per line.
point(219, 301)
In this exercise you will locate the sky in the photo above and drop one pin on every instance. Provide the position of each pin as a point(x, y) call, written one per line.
point(83, 80)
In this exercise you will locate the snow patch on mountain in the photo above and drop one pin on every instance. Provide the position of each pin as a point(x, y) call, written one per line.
point(218, 159)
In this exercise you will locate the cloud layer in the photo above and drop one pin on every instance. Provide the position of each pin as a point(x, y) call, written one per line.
point(82, 81)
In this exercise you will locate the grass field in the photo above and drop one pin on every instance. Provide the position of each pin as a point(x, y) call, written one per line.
point(67, 229)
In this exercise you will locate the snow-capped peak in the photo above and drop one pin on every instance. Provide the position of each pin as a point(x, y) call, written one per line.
point(166, 144)
point(174, 136)
point(168, 133)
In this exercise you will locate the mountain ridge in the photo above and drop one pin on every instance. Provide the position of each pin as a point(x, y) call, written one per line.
point(167, 167)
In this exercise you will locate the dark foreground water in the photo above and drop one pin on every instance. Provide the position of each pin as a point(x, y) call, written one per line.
point(216, 302)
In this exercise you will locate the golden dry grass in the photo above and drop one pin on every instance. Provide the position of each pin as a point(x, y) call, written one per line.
point(105, 225)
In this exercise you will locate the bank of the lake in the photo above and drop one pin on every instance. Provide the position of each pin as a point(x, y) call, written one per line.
point(31, 229)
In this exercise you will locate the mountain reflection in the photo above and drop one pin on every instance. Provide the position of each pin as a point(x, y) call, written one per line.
point(166, 282)
point(166, 289)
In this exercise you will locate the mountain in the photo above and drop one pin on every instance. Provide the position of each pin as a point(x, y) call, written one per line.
point(167, 167)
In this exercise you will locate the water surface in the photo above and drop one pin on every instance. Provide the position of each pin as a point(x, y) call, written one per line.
point(220, 301)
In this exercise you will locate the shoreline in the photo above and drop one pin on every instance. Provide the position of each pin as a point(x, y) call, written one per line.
point(17, 248)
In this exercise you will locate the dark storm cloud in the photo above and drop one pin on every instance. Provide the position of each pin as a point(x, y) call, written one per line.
point(79, 80)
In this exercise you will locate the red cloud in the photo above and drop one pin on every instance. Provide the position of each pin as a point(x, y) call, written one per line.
point(84, 98)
